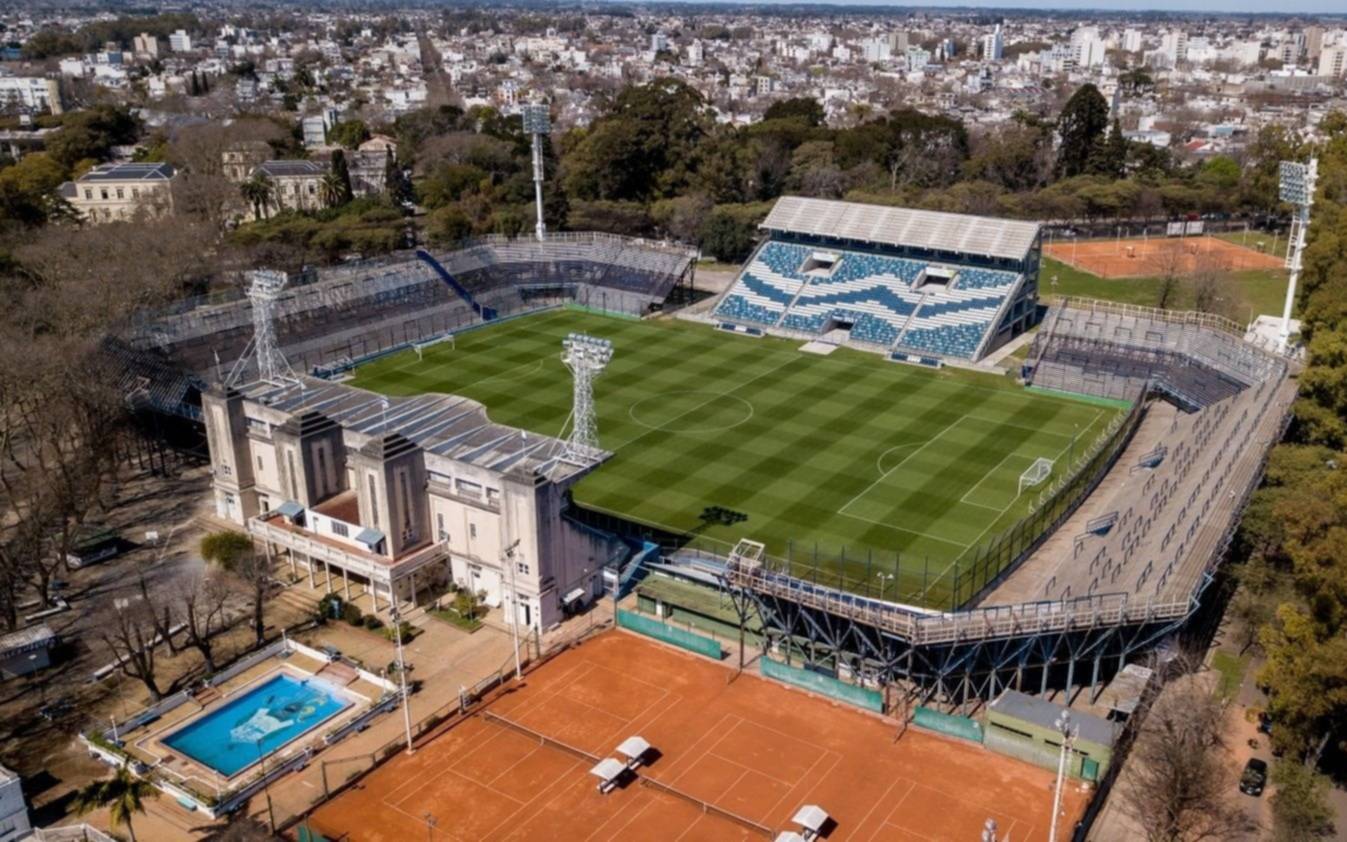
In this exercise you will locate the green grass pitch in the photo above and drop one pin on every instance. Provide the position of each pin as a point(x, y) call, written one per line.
point(887, 473)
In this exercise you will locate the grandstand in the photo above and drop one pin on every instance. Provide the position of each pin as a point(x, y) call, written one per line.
point(917, 285)
point(335, 315)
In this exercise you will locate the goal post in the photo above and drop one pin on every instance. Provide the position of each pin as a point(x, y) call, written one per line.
point(1035, 473)
point(420, 347)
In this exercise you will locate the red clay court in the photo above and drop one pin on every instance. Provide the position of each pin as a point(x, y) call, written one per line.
point(1159, 256)
point(752, 749)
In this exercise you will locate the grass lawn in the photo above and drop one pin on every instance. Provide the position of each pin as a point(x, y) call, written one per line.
point(1231, 667)
point(872, 468)
point(1274, 243)
point(1258, 291)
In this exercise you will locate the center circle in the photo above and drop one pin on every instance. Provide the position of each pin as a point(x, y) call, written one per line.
point(691, 412)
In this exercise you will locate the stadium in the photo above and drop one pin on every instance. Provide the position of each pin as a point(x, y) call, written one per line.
point(821, 446)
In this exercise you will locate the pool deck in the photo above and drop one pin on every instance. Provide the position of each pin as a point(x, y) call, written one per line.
point(147, 742)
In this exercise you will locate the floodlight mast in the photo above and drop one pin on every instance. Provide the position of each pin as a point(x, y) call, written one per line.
point(586, 357)
point(264, 289)
point(536, 125)
point(1297, 183)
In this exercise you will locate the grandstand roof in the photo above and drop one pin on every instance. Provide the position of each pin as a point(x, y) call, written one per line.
point(953, 232)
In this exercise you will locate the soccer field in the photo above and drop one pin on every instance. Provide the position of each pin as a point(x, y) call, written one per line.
point(889, 473)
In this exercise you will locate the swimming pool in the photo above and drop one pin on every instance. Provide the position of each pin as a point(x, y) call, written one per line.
point(259, 722)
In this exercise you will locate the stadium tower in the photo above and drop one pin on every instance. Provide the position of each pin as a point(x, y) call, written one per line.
point(264, 290)
point(1297, 183)
point(586, 357)
point(537, 125)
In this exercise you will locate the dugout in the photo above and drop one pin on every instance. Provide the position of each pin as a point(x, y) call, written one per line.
point(1021, 726)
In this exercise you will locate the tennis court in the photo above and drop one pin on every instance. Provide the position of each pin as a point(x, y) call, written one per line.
point(731, 760)
point(1159, 256)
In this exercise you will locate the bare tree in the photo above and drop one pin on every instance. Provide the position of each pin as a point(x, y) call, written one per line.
point(1180, 783)
point(203, 601)
point(129, 633)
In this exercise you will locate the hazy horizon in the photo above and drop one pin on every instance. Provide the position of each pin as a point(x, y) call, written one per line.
point(1223, 7)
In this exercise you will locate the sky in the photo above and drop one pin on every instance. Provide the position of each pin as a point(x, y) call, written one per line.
point(1334, 7)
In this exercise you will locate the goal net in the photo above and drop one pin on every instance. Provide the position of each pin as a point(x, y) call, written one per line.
point(420, 347)
point(1035, 473)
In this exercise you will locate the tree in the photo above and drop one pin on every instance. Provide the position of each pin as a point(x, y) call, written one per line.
point(1079, 126)
point(448, 225)
point(203, 600)
point(123, 794)
point(130, 633)
point(234, 553)
point(349, 133)
point(726, 237)
point(259, 192)
point(805, 109)
point(342, 182)
point(1109, 157)
point(396, 183)
point(1300, 808)
point(1181, 783)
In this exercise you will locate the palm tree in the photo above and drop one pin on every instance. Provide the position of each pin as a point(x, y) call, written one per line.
point(258, 192)
point(123, 794)
point(332, 190)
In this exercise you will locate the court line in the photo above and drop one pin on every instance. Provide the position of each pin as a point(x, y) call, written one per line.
point(882, 800)
point(901, 462)
point(903, 529)
point(1016, 498)
point(512, 325)
point(992, 470)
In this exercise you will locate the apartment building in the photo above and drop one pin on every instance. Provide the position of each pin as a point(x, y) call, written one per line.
point(31, 94)
point(118, 192)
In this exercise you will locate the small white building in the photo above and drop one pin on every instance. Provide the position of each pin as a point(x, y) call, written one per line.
point(13, 808)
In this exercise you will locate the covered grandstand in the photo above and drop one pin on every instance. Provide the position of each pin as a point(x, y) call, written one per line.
point(330, 317)
point(919, 286)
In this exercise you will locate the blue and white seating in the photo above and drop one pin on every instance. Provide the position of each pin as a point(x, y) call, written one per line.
point(886, 300)
point(768, 285)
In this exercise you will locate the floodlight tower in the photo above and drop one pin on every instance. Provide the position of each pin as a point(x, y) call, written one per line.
point(537, 123)
point(264, 288)
point(1296, 183)
point(586, 356)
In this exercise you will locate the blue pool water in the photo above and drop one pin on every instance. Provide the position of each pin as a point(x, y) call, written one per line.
point(266, 717)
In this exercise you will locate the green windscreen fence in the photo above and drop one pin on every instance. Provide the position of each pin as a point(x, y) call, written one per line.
point(650, 627)
point(944, 723)
point(823, 685)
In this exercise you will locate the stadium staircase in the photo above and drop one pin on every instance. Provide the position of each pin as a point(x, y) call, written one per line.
point(425, 257)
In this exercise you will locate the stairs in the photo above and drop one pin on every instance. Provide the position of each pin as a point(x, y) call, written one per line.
point(300, 598)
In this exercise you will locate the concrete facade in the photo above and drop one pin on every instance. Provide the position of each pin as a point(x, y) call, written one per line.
point(404, 494)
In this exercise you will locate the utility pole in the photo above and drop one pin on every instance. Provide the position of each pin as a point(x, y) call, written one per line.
point(402, 671)
point(1068, 732)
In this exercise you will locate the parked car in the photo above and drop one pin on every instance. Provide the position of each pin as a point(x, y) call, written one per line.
point(1254, 778)
point(93, 544)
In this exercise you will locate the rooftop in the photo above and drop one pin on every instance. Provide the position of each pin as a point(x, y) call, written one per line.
point(1044, 713)
point(446, 425)
point(281, 169)
point(23, 640)
point(904, 227)
point(129, 172)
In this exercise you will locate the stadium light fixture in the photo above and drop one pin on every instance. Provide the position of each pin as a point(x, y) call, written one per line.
point(586, 356)
point(537, 124)
point(1296, 184)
